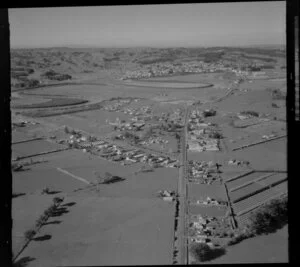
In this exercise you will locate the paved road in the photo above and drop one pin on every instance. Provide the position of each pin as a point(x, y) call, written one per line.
point(182, 189)
point(182, 225)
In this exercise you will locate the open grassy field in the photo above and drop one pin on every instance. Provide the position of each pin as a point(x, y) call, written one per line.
point(258, 250)
point(207, 211)
point(115, 231)
point(200, 191)
point(33, 147)
point(24, 218)
point(128, 216)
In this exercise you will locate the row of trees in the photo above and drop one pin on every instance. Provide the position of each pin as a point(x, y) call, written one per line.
point(52, 75)
point(266, 219)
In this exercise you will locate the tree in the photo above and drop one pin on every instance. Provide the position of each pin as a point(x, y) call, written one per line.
point(203, 252)
point(108, 175)
point(29, 234)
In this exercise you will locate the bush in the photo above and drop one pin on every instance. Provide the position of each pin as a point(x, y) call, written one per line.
point(203, 252)
point(52, 75)
point(66, 130)
point(91, 139)
point(47, 213)
point(209, 113)
point(215, 135)
point(46, 190)
point(269, 217)
point(266, 219)
point(40, 221)
point(237, 239)
point(278, 95)
point(58, 200)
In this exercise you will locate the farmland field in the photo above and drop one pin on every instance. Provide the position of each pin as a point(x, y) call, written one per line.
point(207, 211)
point(33, 147)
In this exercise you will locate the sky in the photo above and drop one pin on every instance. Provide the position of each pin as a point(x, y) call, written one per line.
point(172, 25)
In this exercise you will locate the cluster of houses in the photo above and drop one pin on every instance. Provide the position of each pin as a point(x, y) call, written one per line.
point(194, 144)
point(211, 202)
point(137, 111)
point(268, 136)
point(167, 195)
point(141, 115)
point(202, 136)
point(144, 111)
point(175, 117)
point(196, 118)
point(129, 156)
point(117, 105)
point(122, 126)
point(125, 156)
point(154, 140)
point(238, 162)
point(209, 230)
point(165, 69)
point(202, 140)
point(203, 172)
point(245, 120)
point(242, 70)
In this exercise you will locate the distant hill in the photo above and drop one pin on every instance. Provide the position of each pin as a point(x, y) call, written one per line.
point(75, 62)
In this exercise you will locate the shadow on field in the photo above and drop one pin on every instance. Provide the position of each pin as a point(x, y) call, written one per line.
point(23, 262)
point(18, 194)
point(60, 211)
point(53, 192)
point(70, 204)
point(53, 222)
point(42, 238)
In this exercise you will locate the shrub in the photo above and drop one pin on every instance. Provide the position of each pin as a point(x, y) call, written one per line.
point(203, 252)
point(215, 135)
point(237, 239)
point(40, 221)
point(266, 219)
point(16, 166)
point(46, 190)
point(47, 213)
point(209, 113)
point(58, 200)
point(278, 95)
point(92, 138)
point(269, 217)
point(52, 75)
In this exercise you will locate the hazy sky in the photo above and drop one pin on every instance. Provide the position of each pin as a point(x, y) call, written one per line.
point(215, 24)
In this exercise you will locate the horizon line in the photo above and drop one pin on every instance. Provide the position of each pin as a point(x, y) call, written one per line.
point(132, 47)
